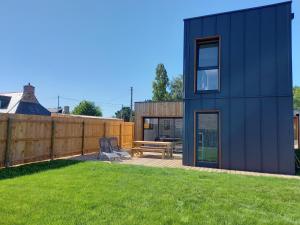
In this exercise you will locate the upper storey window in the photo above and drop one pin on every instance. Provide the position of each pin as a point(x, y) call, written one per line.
point(207, 68)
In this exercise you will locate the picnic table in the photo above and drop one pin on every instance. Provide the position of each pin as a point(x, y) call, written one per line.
point(167, 139)
point(166, 148)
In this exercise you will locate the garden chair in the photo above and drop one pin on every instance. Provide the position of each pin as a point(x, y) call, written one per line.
point(113, 141)
point(105, 152)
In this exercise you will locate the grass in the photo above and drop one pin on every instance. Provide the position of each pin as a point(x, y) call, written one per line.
point(69, 192)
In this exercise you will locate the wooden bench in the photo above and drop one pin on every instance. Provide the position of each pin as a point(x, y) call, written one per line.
point(153, 146)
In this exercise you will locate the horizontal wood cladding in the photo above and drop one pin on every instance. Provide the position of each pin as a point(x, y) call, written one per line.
point(154, 109)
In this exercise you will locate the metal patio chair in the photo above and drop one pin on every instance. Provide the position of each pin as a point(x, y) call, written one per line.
point(113, 141)
point(105, 152)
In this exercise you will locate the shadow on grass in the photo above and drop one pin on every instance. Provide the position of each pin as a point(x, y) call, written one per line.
point(28, 169)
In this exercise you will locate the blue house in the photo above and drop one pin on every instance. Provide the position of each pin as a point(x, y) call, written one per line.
point(238, 111)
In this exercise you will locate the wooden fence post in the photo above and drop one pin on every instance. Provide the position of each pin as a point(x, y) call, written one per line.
point(104, 125)
point(7, 156)
point(121, 135)
point(82, 144)
point(52, 139)
point(132, 134)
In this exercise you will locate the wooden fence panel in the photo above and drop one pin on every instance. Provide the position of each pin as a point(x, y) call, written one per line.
point(30, 138)
point(127, 135)
point(3, 135)
point(93, 131)
point(67, 136)
point(113, 129)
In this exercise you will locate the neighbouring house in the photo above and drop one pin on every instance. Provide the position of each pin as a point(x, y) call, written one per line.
point(158, 121)
point(22, 102)
point(64, 110)
point(238, 103)
point(55, 110)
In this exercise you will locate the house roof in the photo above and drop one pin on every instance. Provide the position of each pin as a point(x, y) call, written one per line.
point(239, 10)
point(32, 109)
point(22, 103)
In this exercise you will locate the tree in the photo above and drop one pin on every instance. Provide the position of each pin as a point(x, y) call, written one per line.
point(160, 84)
point(296, 93)
point(124, 113)
point(176, 88)
point(87, 108)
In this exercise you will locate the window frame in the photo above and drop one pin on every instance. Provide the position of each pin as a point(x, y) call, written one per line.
point(218, 164)
point(4, 102)
point(173, 118)
point(198, 42)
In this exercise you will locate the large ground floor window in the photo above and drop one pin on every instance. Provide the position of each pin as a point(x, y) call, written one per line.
point(162, 129)
point(207, 138)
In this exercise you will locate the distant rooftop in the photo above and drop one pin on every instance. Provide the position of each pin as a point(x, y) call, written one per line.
point(22, 102)
point(84, 116)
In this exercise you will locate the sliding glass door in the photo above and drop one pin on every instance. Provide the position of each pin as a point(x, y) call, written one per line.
point(162, 129)
point(150, 129)
point(207, 139)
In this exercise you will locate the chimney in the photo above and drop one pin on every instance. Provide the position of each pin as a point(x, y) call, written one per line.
point(66, 110)
point(28, 94)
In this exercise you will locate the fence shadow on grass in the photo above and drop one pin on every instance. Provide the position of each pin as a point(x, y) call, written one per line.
point(29, 169)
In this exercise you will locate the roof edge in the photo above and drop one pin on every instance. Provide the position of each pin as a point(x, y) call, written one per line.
point(140, 102)
point(239, 10)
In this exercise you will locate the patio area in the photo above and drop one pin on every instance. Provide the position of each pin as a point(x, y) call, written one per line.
point(154, 160)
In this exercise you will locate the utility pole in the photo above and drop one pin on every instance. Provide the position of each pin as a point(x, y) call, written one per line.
point(131, 93)
point(122, 112)
point(57, 102)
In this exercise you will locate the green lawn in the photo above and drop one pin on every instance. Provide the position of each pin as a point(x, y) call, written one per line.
point(68, 192)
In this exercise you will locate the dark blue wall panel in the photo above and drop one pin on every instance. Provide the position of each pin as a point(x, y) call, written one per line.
point(285, 136)
point(255, 97)
point(237, 156)
point(269, 135)
point(252, 51)
point(222, 106)
point(252, 134)
point(268, 52)
point(283, 60)
point(236, 55)
point(188, 144)
point(209, 26)
point(223, 28)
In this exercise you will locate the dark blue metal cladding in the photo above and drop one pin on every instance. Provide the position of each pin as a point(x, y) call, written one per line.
point(255, 98)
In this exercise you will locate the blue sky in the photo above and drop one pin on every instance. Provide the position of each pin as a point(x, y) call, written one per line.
point(96, 49)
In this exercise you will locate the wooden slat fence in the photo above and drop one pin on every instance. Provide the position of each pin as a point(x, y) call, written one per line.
point(28, 138)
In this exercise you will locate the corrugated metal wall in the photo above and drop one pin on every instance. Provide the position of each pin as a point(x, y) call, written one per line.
point(255, 100)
